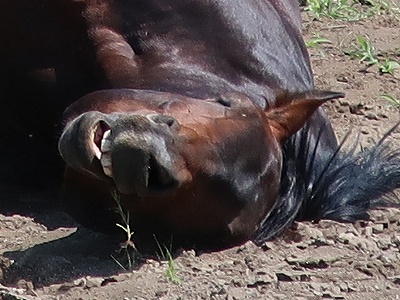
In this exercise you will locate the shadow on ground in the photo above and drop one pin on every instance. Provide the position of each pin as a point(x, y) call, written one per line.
point(83, 253)
point(64, 258)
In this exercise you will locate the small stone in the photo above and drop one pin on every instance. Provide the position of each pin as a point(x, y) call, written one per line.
point(92, 282)
point(153, 263)
point(364, 269)
point(317, 293)
point(396, 240)
point(308, 262)
point(395, 279)
point(302, 246)
point(343, 286)
point(382, 115)
point(188, 253)
point(108, 280)
point(343, 79)
point(356, 109)
point(79, 282)
point(368, 231)
point(324, 224)
point(371, 116)
point(65, 287)
point(315, 233)
point(346, 238)
point(358, 242)
point(378, 216)
point(332, 295)
point(246, 246)
point(344, 103)
point(377, 228)
point(384, 242)
point(393, 214)
point(335, 290)
point(236, 293)
point(268, 246)
point(316, 286)
point(387, 260)
point(293, 276)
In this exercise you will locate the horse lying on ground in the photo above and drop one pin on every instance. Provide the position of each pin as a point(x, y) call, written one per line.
point(204, 118)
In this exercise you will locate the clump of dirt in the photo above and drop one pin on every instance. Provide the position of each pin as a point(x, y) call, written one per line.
point(327, 259)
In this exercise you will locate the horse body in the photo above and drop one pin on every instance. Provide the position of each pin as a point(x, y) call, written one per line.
point(179, 60)
point(201, 114)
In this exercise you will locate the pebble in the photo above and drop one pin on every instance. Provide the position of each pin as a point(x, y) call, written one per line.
point(378, 228)
point(92, 282)
point(395, 279)
point(343, 286)
point(368, 231)
point(188, 253)
point(371, 116)
point(293, 276)
point(315, 286)
point(396, 240)
point(393, 215)
point(384, 242)
point(308, 262)
point(358, 242)
point(268, 246)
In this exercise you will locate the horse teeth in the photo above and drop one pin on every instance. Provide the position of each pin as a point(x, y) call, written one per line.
point(105, 161)
point(97, 152)
point(107, 134)
point(105, 145)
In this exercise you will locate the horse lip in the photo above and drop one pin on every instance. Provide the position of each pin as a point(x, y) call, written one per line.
point(79, 142)
point(142, 165)
point(151, 179)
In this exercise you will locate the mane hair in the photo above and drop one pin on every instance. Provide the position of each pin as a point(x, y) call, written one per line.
point(341, 185)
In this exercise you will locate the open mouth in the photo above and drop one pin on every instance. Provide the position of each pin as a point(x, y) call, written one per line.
point(102, 146)
point(157, 179)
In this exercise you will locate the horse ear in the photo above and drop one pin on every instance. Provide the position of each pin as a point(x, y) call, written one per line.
point(291, 112)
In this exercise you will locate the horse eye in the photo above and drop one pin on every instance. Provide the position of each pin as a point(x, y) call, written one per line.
point(164, 119)
point(225, 101)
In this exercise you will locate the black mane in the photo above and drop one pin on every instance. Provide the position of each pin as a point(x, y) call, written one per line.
point(340, 186)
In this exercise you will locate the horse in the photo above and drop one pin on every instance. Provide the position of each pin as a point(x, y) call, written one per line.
point(200, 118)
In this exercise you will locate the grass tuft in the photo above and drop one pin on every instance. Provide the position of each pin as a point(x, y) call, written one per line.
point(166, 254)
point(351, 10)
point(366, 52)
point(128, 246)
point(389, 66)
point(316, 41)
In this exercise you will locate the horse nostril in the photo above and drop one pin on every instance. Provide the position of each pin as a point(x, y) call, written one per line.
point(159, 179)
point(171, 122)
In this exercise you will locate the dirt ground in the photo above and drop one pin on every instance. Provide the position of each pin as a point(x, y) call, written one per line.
point(45, 256)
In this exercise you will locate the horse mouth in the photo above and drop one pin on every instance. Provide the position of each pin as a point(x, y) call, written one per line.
point(102, 145)
point(134, 168)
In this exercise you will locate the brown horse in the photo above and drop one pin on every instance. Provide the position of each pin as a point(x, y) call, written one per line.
point(202, 145)
point(202, 115)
